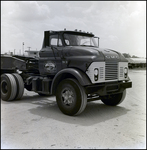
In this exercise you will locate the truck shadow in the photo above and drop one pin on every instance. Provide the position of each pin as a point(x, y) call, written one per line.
point(94, 113)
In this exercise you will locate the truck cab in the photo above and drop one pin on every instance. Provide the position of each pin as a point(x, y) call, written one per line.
point(65, 49)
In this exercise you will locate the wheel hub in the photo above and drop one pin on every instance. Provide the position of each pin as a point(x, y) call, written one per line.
point(68, 97)
point(4, 87)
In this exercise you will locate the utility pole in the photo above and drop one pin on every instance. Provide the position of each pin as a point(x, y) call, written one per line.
point(23, 48)
point(14, 51)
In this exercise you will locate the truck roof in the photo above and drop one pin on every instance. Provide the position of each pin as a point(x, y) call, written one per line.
point(76, 32)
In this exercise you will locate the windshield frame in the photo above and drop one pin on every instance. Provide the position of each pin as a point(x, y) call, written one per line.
point(79, 36)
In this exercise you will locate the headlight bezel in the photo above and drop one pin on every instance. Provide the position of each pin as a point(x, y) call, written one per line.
point(96, 74)
point(125, 72)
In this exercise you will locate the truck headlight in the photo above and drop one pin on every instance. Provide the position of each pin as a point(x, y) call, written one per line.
point(125, 72)
point(96, 74)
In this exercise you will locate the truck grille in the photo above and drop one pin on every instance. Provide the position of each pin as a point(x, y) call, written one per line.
point(101, 72)
point(121, 72)
point(111, 71)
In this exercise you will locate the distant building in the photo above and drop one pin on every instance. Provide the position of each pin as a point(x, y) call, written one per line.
point(32, 53)
point(9, 53)
point(136, 62)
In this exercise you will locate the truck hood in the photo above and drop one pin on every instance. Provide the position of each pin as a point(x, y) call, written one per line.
point(98, 54)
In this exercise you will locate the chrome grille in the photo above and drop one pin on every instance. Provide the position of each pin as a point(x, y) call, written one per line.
point(101, 72)
point(121, 72)
point(111, 71)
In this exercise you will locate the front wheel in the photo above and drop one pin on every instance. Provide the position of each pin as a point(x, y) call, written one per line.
point(115, 99)
point(71, 97)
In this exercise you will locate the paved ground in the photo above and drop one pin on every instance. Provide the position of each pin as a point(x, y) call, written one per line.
point(36, 122)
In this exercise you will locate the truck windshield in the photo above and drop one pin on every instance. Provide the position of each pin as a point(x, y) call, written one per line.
point(79, 40)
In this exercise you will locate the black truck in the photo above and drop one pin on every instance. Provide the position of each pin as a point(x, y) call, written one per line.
point(70, 66)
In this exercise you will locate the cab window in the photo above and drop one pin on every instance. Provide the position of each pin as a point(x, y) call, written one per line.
point(55, 41)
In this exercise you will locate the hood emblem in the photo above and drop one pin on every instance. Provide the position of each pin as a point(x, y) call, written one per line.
point(111, 56)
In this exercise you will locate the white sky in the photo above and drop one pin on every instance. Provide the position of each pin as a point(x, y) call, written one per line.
point(121, 25)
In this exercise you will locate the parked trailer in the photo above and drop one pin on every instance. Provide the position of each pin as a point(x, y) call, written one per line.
point(70, 66)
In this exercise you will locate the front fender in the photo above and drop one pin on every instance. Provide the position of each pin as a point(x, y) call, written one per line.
point(68, 72)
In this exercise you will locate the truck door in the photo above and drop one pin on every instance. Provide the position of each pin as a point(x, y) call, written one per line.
point(50, 56)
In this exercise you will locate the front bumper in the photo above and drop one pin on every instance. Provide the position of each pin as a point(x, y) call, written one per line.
point(108, 88)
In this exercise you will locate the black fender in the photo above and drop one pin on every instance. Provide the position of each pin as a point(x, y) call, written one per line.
point(82, 78)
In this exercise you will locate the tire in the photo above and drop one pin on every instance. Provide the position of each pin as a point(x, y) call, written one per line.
point(114, 100)
point(8, 87)
point(71, 97)
point(20, 86)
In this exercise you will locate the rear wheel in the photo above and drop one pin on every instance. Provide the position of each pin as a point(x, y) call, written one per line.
point(20, 86)
point(71, 97)
point(113, 100)
point(8, 87)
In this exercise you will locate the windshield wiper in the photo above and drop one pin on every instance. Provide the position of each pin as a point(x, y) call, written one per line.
point(88, 45)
